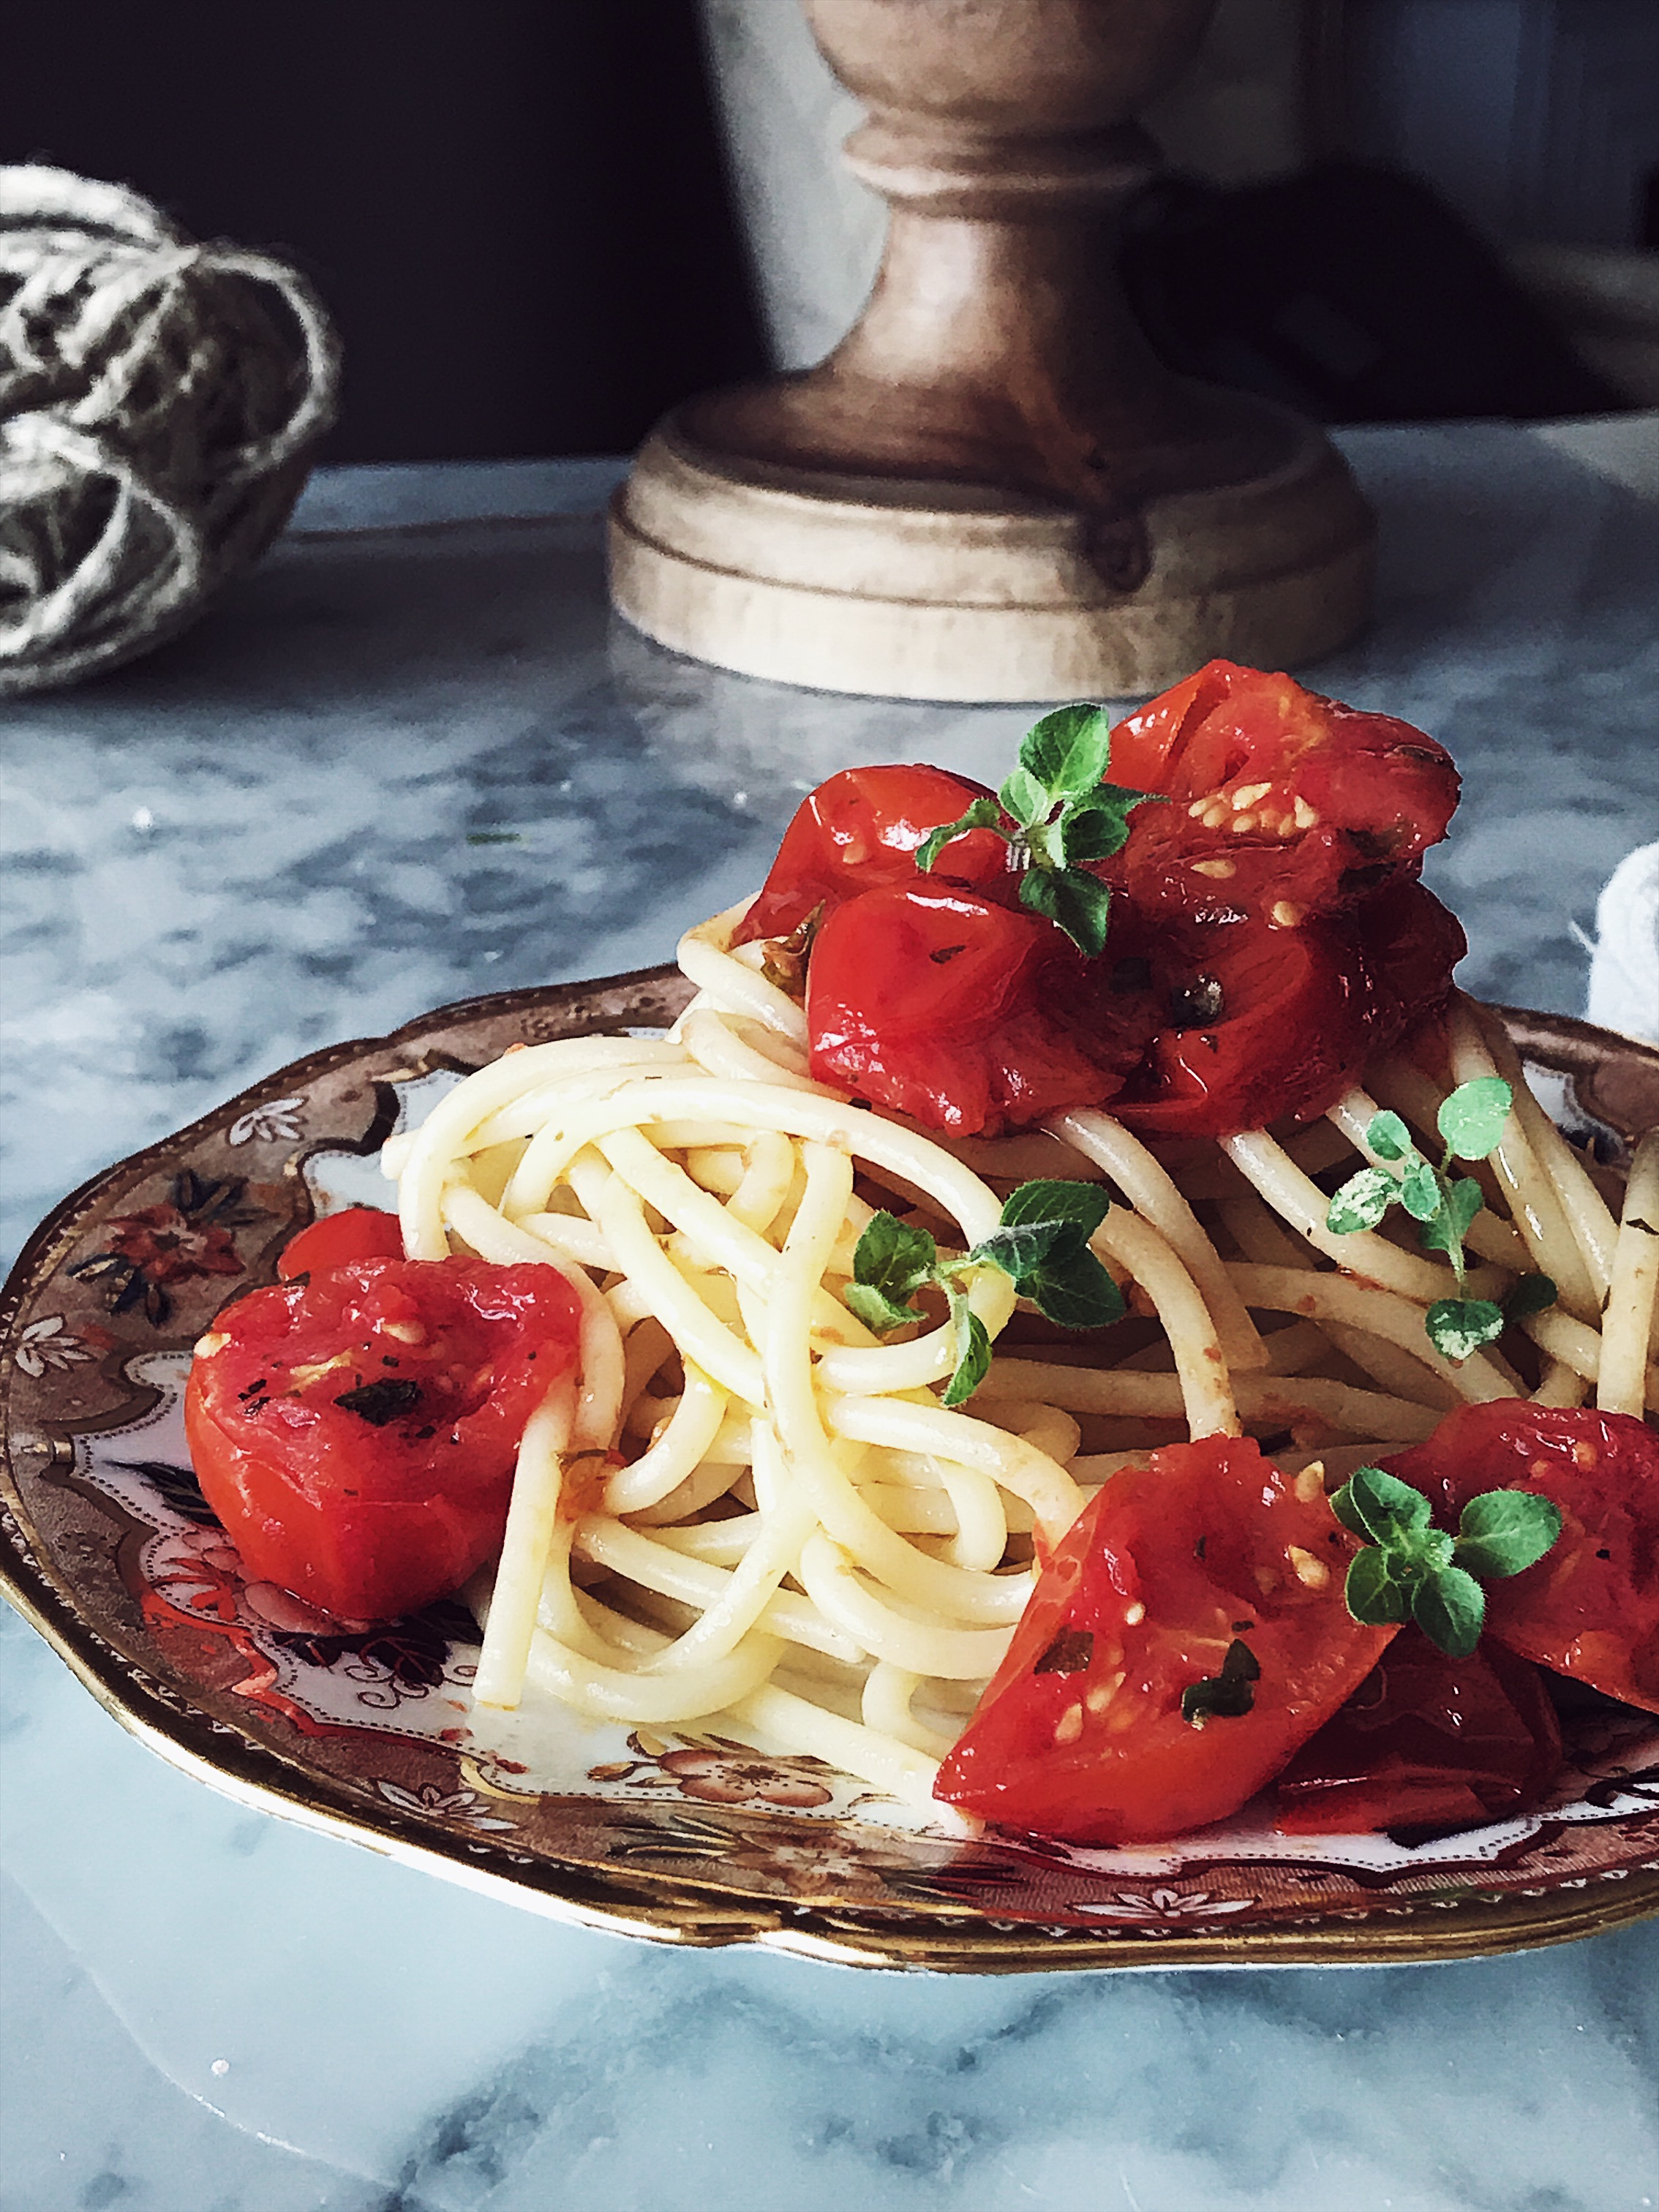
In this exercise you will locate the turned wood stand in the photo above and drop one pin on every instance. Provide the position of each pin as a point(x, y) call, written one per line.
point(992, 488)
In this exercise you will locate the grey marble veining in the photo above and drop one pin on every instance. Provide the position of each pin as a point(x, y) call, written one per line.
point(258, 843)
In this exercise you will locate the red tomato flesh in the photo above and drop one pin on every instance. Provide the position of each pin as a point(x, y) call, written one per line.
point(1428, 1744)
point(859, 832)
point(356, 1433)
point(1306, 805)
point(1274, 1023)
point(1590, 1607)
point(361, 1232)
point(1080, 1733)
point(967, 1017)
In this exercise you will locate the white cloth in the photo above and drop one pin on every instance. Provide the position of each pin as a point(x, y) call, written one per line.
point(1623, 983)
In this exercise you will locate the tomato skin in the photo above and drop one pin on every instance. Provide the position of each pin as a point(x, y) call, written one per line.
point(1375, 793)
point(1428, 1744)
point(1293, 1032)
point(374, 1511)
point(1037, 1756)
point(1409, 944)
point(1590, 1608)
point(361, 1232)
point(859, 832)
point(967, 1016)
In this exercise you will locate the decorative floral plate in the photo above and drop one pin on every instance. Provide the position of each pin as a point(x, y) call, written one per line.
point(106, 1546)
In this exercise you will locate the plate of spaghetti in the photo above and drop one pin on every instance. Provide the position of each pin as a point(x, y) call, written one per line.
point(1048, 1395)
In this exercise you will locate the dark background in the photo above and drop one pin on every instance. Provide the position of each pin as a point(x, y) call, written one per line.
point(516, 212)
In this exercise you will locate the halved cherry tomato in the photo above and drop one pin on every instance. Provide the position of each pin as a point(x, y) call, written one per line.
point(1291, 804)
point(859, 832)
point(1259, 1024)
point(1590, 1607)
point(1081, 1734)
point(1426, 1743)
point(965, 1015)
point(361, 1232)
point(356, 1433)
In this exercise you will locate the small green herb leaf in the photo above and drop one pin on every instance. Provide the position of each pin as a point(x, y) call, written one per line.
point(973, 1350)
point(1023, 797)
point(1532, 1294)
point(875, 1310)
point(1460, 1201)
point(1371, 1592)
point(1226, 1696)
point(1076, 902)
point(1379, 1506)
point(983, 814)
point(1387, 1137)
point(1361, 1202)
point(1503, 1532)
point(1458, 1327)
point(1067, 751)
point(1083, 1206)
point(1074, 1293)
point(1419, 1191)
point(1450, 1608)
point(1092, 833)
point(1472, 1119)
point(890, 1263)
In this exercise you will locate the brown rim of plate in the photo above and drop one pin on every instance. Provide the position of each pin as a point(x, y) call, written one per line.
point(1616, 1081)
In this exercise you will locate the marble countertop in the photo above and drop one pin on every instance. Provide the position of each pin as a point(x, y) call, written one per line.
point(412, 760)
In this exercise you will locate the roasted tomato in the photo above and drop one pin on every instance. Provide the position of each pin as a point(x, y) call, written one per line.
point(966, 1016)
point(1288, 804)
point(1409, 944)
point(1426, 1744)
point(1189, 1634)
point(1257, 1024)
point(361, 1232)
point(859, 832)
point(356, 1433)
point(1590, 1607)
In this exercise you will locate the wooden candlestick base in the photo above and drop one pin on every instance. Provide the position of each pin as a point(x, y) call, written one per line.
point(848, 585)
point(992, 489)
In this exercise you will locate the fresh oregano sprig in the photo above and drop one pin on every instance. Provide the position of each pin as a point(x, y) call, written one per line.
point(1041, 1242)
point(1411, 1570)
point(1471, 1122)
point(1065, 815)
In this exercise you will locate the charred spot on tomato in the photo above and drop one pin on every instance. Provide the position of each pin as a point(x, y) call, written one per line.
point(1226, 1696)
point(382, 1401)
point(1193, 1005)
point(941, 953)
point(256, 1389)
point(1070, 1653)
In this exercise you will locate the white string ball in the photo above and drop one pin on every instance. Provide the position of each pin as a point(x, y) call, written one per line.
point(159, 400)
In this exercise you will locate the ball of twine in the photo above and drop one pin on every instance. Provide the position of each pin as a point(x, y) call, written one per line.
point(158, 399)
